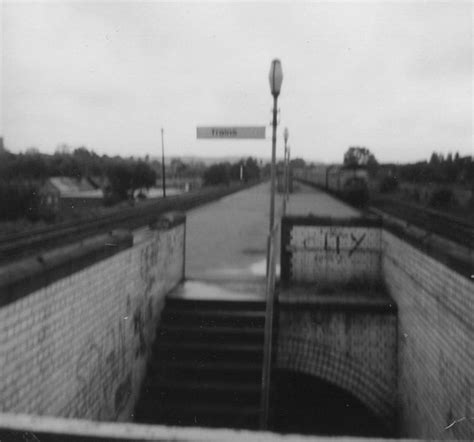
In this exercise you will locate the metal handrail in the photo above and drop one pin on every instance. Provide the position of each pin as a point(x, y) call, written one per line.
point(269, 314)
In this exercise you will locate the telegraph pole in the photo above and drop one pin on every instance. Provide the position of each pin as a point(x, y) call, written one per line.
point(163, 179)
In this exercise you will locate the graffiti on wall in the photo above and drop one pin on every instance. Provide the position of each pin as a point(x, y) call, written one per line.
point(149, 266)
point(155, 263)
point(104, 367)
point(334, 240)
point(103, 382)
point(330, 254)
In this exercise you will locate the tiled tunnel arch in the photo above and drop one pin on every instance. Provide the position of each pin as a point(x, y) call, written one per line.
point(299, 354)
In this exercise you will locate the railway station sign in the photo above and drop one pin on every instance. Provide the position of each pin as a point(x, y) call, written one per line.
point(231, 132)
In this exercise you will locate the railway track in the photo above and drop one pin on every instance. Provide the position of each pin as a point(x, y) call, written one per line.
point(455, 229)
point(452, 228)
point(35, 241)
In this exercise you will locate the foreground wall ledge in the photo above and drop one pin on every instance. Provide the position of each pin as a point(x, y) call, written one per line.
point(22, 425)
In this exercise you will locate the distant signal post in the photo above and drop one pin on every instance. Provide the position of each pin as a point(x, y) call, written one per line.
point(231, 132)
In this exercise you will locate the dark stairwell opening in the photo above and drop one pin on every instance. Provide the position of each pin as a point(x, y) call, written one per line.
point(206, 365)
point(304, 404)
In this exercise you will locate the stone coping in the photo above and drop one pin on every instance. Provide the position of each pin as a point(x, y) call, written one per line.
point(28, 275)
point(343, 299)
point(461, 266)
point(167, 221)
point(312, 220)
point(53, 428)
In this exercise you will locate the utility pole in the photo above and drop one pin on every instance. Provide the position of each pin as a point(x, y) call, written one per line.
point(163, 179)
point(276, 78)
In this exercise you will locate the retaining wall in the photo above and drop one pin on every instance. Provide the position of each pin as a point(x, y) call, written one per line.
point(76, 324)
point(355, 349)
point(435, 300)
point(336, 321)
point(435, 342)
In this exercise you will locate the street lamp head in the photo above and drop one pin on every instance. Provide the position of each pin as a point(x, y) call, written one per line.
point(286, 134)
point(276, 77)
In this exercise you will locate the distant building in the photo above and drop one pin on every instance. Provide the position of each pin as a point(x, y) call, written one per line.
point(71, 187)
point(74, 194)
point(49, 197)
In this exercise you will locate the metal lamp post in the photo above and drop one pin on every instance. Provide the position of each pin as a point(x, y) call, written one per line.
point(276, 78)
point(288, 172)
point(285, 168)
point(163, 179)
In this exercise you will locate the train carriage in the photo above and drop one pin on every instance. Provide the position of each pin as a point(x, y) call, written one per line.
point(349, 183)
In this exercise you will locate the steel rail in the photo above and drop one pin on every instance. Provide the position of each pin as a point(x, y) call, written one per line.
point(453, 228)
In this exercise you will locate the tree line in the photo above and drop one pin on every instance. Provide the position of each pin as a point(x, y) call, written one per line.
point(433, 181)
point(23, 175)
point(225, 172)
point(452, 169)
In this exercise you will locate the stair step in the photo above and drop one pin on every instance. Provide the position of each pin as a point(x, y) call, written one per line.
point(202, 352)
point(198, 414)
point(247, 387)
point(205, 369)
point(207, 329)
point(189, 391)
point(214, 304)
point(202, 371)
point(173, 332)
point(237, 318)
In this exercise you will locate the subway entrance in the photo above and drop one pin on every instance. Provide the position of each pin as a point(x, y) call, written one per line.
point(305, 404)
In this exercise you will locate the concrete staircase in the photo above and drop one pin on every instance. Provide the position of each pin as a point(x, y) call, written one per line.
point(206, 365)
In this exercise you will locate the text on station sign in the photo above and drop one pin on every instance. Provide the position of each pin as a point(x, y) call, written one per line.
point(231, 132)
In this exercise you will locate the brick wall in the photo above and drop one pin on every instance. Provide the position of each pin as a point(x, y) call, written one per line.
point(355, 350)
point(435, 344)
point(435, 301)
point(336, 321)
point(77, 345)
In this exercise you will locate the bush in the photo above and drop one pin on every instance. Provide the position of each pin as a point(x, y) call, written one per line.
point(110, 198)
point(217, 174)
point(126, 177)
point(415, 194)
point(19, 200)
point(388, 184)
point(442, 198)
point(120, 175)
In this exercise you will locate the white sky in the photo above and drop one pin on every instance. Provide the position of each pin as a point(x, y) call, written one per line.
point(394, 77)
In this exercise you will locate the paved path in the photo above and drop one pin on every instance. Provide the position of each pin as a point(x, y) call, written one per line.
point(226, 240)
point(307, 200)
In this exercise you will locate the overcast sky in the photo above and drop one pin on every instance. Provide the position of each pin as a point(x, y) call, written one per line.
point(394, 77)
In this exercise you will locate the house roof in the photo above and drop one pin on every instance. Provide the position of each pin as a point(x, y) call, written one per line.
point(72, 187)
